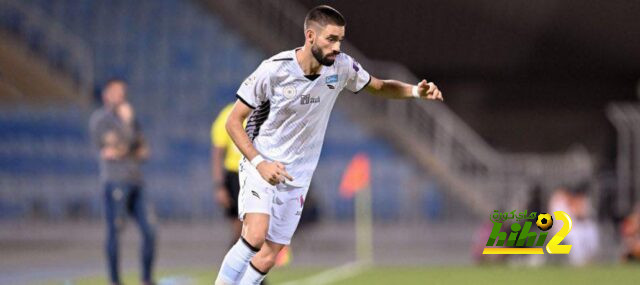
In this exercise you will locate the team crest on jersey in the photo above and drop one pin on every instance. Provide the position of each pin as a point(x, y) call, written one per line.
point(331, 80)
point(289, 92)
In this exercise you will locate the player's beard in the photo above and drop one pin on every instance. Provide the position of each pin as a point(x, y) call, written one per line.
point(320, 56)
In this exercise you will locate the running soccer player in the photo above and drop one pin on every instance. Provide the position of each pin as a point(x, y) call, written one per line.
point(288, 100)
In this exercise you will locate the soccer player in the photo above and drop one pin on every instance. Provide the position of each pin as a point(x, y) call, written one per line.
point(224, 166)
point(121, 149)
point(288, 100)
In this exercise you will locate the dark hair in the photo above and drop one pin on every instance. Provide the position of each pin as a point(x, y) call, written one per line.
point(324, 15)
point(113, 81)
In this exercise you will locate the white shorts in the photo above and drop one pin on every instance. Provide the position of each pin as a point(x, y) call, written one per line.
point(283, 203)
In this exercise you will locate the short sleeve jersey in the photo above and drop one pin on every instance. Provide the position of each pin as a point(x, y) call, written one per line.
point(291, 110)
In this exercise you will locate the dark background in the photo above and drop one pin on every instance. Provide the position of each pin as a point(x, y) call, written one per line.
point(527, 75)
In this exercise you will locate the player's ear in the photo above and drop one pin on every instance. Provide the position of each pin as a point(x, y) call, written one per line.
point(310, 34)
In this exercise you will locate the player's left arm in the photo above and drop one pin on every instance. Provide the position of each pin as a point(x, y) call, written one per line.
point(394, 89)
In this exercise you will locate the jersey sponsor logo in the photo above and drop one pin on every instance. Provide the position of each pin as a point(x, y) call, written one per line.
point(331, 80)
point(356, 66)
point(289, 92)
point(307, 99)
point(255, 194)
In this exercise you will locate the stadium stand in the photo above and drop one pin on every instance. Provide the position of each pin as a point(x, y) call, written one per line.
point(183, 65)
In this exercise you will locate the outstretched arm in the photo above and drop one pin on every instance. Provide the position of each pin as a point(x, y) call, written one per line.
point(394, 89)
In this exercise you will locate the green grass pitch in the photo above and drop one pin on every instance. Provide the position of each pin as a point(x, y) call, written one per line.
point(494, 275)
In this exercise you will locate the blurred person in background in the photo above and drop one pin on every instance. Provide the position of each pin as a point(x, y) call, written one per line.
point(225, 158)
point(631, 235)
point(121, 150)
point(560, 201)
point(584, 236)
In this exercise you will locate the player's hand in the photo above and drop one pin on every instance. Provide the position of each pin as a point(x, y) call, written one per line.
point(222, 196)
point(429, 90)
point(273, 172)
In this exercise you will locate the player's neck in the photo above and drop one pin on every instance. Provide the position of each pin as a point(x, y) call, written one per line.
point(307, 62)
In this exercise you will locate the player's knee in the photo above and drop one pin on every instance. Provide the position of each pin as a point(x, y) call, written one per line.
point(255, 239)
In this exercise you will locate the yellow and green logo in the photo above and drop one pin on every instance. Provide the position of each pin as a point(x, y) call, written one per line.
point(521, 239)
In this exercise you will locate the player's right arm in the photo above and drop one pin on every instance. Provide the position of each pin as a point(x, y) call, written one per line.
point(272, 172)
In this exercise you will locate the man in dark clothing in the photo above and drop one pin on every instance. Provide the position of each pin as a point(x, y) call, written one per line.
point(122, 148)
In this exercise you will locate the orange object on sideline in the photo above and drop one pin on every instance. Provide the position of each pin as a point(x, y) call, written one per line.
point(284, 257)
point(356, 177)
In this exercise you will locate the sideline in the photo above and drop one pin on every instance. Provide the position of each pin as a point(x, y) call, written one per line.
point(331, 275)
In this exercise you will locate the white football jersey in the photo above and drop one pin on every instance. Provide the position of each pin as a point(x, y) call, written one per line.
point(291, 110)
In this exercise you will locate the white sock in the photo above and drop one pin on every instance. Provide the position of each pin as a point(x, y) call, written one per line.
point(252, 276)
point(235, 262)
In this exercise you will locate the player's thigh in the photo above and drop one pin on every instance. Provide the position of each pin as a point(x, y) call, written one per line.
point(287, 210)
point(256, 195)
point(255, 227)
